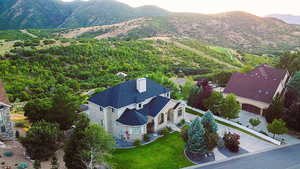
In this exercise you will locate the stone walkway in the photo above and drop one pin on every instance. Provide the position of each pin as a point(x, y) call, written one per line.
point(244, 120)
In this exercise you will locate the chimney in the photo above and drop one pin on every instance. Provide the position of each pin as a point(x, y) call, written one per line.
point(141, 85)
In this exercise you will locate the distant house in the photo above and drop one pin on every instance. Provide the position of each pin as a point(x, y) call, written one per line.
point(256, 89)
point(134, 108)
point(6, 126)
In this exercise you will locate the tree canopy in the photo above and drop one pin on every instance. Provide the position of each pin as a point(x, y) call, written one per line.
point(41, 140)
point(230, 108)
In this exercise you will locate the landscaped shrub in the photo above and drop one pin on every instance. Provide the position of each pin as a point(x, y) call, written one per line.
point(231, 141)
point(164, 131)
point(48, 41)
point(20, 124)
point(146, 138)
point(22, 165)
point(137, 142)
point(184, 133)
point(8, 154)
point(181, 123)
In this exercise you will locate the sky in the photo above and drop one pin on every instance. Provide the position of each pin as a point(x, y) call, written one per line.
point(257, 7)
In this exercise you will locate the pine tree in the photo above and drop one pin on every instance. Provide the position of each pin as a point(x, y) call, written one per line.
point(209, 123)
point(211, 128)
point(196, 141)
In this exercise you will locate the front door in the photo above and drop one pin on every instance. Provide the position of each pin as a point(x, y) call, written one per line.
point(150, 127)
point(171, 115)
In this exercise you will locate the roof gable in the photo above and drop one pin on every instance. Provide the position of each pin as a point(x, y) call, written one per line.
point(126, 93)
point(139, 117)
point(259, 84)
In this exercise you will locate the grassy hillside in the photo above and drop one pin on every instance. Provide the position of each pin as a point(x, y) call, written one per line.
point(238, 30)
point(33, 68)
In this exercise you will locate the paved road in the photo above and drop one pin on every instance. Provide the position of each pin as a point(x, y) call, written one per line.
point(281, 158)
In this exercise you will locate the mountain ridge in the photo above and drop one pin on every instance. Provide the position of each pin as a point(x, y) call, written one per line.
point(44, 14)
point(291, 19)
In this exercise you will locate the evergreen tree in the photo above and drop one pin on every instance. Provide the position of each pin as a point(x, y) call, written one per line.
point(41, 140)
point(73, 148)
point(209, 123)
point(211, 128)
point(196, 139)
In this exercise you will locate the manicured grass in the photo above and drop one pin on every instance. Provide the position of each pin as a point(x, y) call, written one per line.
point(164, 153)
point(193, 112)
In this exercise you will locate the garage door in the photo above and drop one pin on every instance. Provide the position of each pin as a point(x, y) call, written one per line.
point(251, 108)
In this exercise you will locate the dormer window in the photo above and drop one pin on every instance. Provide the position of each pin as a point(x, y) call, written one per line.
point(112, 110)
point(140, 105)
point(101, 108)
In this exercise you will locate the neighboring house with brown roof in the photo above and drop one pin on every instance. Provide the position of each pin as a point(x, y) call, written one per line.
point(256, 89)
point(6, 126)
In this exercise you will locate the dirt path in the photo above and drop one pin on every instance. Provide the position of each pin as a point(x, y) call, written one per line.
point(30, 34)
point(180, 45)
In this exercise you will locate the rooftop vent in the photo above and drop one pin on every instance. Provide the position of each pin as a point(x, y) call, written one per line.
point(141, 85)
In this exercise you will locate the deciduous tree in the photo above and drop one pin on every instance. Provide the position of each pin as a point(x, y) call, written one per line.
point(230, 108)
point(277, 127)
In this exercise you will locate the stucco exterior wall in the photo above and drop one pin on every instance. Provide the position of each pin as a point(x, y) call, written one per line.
point(108, 118)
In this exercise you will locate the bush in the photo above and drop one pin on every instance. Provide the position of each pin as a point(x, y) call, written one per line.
point(146, 138)
point(48, 41)
point(22, 165)
point(137, 142)
point(181, 123)
point(165, 131)
point(231, 142)
point(184, 133)
point(20, 124)
point(8, 154)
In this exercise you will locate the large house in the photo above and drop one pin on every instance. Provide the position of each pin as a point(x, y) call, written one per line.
point(255, 90)
point(134, 108)
point(6, 126)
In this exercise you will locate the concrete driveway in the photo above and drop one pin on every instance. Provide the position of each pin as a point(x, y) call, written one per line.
point(247, 143)
point(244, 120)
point(281, 158)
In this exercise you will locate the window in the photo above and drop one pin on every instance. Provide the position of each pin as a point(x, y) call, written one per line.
point(101, 122)
point(140, 105)
point(180, 112)
point(101, 108)
point(112, 109)
point(136, 130)
point(161, 119)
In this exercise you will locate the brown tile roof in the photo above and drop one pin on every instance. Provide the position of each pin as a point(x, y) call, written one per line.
point(259, 84)
point(3, 96)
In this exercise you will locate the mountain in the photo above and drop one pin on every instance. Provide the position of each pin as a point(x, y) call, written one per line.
point(291, 19)
point(20, 14)
point(238, 30)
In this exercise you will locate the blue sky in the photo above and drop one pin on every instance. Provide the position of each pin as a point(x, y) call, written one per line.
point(258, 7)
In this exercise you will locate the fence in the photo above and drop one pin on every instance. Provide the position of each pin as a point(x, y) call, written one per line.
point(260, 135)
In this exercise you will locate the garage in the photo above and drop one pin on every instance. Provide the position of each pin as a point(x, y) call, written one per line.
point(251, 108)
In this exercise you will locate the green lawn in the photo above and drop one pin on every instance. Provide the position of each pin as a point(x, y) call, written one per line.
point(164, 153)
